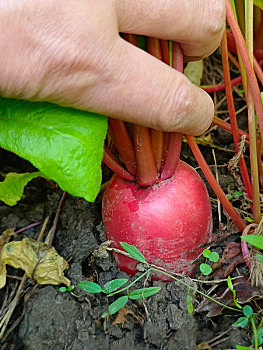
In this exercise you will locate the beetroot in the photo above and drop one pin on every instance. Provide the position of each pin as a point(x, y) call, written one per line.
point(167, 222)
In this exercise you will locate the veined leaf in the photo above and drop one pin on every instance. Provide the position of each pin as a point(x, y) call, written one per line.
point(247, 311)
point(255, 240)
point(117, 304)
point(65, 144)
point(113, 285)
point(12, 188)
point(241, 322)
point(133, 251)
point(89, 286)
point(143, 293)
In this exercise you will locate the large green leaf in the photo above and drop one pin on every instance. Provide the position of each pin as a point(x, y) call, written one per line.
point(12, 188)
point(65, 144)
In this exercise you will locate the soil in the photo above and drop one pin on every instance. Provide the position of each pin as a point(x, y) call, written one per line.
point(52, 320)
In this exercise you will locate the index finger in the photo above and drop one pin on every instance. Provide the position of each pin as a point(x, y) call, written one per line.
point(197, 25)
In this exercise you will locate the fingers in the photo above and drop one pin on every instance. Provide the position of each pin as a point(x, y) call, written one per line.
point(196, 24)
point(148, 92)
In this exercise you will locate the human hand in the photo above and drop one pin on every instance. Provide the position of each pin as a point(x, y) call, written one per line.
point(70, 53)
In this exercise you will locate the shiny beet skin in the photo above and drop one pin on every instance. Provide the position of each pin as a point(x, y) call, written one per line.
point(167, 221)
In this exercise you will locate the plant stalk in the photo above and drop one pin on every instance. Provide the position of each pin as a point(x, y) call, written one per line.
point(124, 144)
point(232, 115)
point(115, 165)
point(252, 120)
point(214, 184)
point(252, 81)
point(175, 143)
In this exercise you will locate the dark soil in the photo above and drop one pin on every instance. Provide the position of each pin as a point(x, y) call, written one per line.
point(59, 321)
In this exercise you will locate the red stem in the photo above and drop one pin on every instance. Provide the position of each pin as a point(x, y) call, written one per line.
point(226, 126)
point(165, 51)
point(157, 137)
point(157, 140)
point(115, 165)
point(175, 142)
point(214, 184)
point(232, 115)
point(124, 144)
point(252, 81)
point(146, 169)
point(221, 87)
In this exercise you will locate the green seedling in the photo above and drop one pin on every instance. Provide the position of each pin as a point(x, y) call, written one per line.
point(230, 286)
point(116, 286)
point(69, 289)
point(212, 257)
point(235, 195)
point(250, 316)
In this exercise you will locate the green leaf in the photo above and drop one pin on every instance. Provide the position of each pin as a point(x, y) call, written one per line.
point(105, 314)
point(240, 347)
point(194, 72)
point(229, 196)
point(143, 293)
point(63, 289)
point(255, 240)
point(205, 269)
point(65, 144)
point(190, 307)
point(247, 311)
point(70, 288)
point(90, 287)
point(249, 219)
point(238, 194)
point(260, 257)
point(229, 283)
point(113, 285)
point(118, 304)
point(241, 322)
point(214, 257)
point(260, 340)
point(259, 3)
point(12, 188)
point(133, 251)
point(206, 253)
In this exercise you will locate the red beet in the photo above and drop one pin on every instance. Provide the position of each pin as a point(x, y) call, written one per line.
point(167, 221)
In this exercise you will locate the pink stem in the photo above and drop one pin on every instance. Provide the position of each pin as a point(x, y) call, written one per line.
point(115, 165)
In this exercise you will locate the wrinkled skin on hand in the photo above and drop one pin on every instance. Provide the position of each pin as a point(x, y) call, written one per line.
point(70, 52)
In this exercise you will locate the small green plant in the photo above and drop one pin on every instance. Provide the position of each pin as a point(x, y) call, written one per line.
point(231, 287)
point(250, 316)
point(69, 289)
point(212, 257)
point(116, 286)
point(235, 195)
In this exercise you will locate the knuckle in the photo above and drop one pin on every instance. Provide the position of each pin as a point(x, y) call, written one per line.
point(176, 107)
point(215, 18)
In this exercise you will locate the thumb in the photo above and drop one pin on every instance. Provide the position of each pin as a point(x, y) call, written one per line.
point(150, 93)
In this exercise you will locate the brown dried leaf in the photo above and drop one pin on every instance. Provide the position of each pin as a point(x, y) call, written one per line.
point(39, 261)
point(4, 238)
point(121, 316)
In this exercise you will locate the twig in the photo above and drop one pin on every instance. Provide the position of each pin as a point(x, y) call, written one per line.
point(55, 223)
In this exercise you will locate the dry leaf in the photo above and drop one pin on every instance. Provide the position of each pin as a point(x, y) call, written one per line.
point(121, 316)
point(4, 238)
point(39, 261)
